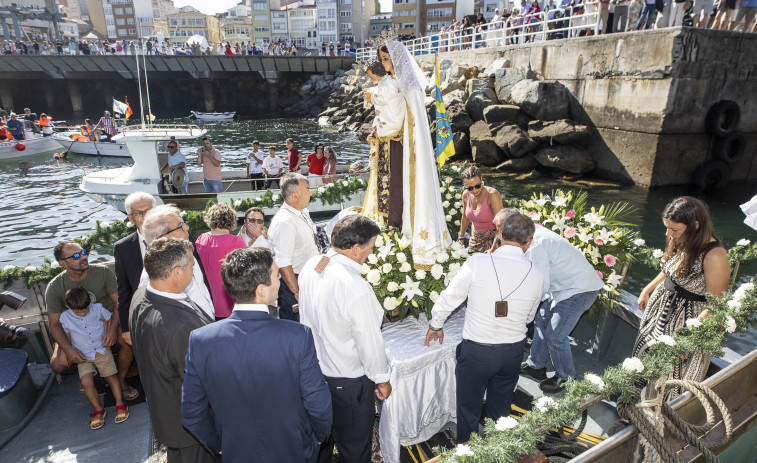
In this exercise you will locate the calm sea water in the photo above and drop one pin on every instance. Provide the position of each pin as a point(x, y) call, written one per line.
point(41, 203)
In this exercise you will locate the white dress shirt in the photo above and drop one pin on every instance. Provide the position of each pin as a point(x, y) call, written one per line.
point(566, 270)
point(345, 316)
point(292, 234)
point(251, 307)
point(479, 283)
point(196, 291)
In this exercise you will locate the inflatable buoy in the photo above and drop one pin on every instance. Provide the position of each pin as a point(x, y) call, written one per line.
point(729, 149)
point(715, 174)
point(56, 156)
point(722, 118)
point(20, 146)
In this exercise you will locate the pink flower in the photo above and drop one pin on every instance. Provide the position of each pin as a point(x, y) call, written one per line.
point(570, 214)
point(570, 232)
point(599, 241)
point(610, 260)
point(600, 275)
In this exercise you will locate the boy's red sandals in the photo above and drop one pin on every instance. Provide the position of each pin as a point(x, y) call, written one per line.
point(97, 419)
point(122, 413)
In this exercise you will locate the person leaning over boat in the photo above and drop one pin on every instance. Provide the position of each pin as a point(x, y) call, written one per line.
point(273, 167)
point(176, 160)
point(503, 291)
point(342, 310)
point(210, 160)
point(128, 253)
point(161, 319)
point(254, 233)
point(694, 263)
point(293, 236)
point(255, 163)
point(100, 281)
point(480, 204)
point(16, 127)
point(270, 402)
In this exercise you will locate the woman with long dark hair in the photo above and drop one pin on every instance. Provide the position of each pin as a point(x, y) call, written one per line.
point(694, 264)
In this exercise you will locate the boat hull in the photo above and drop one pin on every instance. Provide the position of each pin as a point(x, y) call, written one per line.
point(214, 116)
point(36, 145)
point(92, 148)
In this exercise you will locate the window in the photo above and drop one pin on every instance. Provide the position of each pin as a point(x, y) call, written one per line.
point(118, 11)
point(122, 32)
point(279, 27)
point(345, 27)
point(109, 22)
point(262, 29)
point(261, 17)
point(260, 6)
point(345, 2)
point(121, 21)
point(132, 32)
point(130, 21)
point(345, 14)
point(439, 12)
point(409, 26)
point(278, 14)
point(129, 10)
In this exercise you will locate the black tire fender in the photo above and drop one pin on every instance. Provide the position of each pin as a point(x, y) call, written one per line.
point(711, 174)
point(722, 118)
point(729, 149)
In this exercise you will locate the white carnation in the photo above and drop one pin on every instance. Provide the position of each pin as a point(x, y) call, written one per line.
point(54, 265)
point(448, 218)
point(458, 204)
point(105, 224)
point(392, 287)
point(463, 450)
point(453, 268)
point(405, 267)
point(457, 222)
point(372, 259)
point(30, 268)
point(437, 271)
point(10, 267)
point(639, 242)
point(420, 274)
point(373, 277)
point(545, 403)
point(452, 211)
point(442, 257)
point(401, 257)
point(237, 203)
point(320, 190)
point(743, 242)
point(505, 423)
point(657, 253)
point(390, 303)
point(434, 296)
point(595, 380)
point(730, 324)
point(633, 364)
point(693, 323)
point(665, 339)
point(445, 204)
point(456, 246)
point(386, 268)
point(345, 182)
point(129, 225)
point(448, 196)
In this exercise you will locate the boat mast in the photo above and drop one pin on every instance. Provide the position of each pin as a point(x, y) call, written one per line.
point(147, 85)
point(139, 83)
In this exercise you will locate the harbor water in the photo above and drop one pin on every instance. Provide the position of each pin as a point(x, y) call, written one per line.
point(41, 203)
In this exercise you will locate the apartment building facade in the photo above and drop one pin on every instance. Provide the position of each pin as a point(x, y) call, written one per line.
point(261, 18)
point(379, 22)
point(188, 21)
point(408, 16)
point(114, 19)
point(236, 24)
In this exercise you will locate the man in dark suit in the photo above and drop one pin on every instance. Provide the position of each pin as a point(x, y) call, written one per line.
point(161, 319)
point(129, 252)
point(259, 375)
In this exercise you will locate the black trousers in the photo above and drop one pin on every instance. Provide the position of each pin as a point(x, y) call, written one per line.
point(286, 301)
point(493, 369)
point(193, 454)
point(353, 406)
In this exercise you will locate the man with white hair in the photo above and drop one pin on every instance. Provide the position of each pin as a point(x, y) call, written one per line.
point(165, 221)
point(293, 236)
point(129, 252)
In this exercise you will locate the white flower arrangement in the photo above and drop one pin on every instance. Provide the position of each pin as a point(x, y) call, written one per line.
point(633, 364)
point(657, 253)
point(595, 380)
point(10, 267)
point(693, 323)
point(372, 259)
point(639, 242)
point(420, 274)
point(386, 268)
point(401, 257)
point(743, 242)
point(463, 450)
point(665, 339)
point(730, 324)
point(104, 224)
point(437, 271)
point(405, 267)
point(373, 277)
point(237, 202)
point(30, 268)
point(545, 403)
point(390, 303)
point(505, 423)
point(54, 265)
point(734, 305)
point(392, 286)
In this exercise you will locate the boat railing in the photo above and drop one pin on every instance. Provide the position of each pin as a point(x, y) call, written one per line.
point(314, 181)
point(164, 129)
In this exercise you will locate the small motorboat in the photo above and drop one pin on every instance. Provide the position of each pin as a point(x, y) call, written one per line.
point(113, 148)
point(33, 144)
point(227, 116)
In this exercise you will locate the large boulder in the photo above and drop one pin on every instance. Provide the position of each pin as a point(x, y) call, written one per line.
point(566, 158)
point(524, 164)
point(513, 140)
point(483, 147)
point(564, 131)
point(452, 84)
point(505, 79)
point(461, 140)
point(458, 118)
point(500, 114)
point(478, 101)
point(454, 97)
point(363, 131)
point(547, 101)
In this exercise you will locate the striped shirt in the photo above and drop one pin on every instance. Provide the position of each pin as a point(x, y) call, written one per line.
point(108, 124)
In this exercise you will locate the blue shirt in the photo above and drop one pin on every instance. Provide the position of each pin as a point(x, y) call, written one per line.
point(87, 332)
point(16, 127)
point(566, 270)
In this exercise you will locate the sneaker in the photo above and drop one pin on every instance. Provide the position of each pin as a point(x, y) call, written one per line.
point(538, 374)
point(553, 385)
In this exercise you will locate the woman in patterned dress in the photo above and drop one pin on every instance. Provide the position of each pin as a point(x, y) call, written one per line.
point(694, 264)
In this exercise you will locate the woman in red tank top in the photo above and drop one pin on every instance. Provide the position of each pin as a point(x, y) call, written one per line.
point(480, 205)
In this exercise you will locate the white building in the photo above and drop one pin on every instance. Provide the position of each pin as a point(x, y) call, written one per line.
point(327, 21)
point(151, 16)
point(236, 24)
point(291, 21)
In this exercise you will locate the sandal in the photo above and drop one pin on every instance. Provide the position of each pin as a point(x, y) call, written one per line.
point(98, 419)
point(122, 413)
point(130, 393)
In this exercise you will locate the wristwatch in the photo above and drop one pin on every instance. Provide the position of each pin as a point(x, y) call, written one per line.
point(431, 328)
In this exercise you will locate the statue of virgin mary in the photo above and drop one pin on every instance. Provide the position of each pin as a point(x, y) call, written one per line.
point(403, 190)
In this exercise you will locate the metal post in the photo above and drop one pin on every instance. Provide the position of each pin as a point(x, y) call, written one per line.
point(16, 27)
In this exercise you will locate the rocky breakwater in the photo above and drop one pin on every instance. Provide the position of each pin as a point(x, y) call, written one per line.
point(500, 116)
point(310, 97)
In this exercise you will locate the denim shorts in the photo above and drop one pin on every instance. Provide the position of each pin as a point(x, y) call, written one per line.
point(213, 186)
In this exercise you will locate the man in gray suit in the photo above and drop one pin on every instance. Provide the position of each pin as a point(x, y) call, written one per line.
point(161, 318)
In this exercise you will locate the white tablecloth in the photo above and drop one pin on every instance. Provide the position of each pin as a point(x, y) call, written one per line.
point(423, 383)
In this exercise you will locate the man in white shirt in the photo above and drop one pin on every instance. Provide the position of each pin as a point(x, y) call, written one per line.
point(503, 291)
point(165, 221)
point(255, 163)
point(293, 236)
point(177, 160)
point(273, 166)
point(341, 309)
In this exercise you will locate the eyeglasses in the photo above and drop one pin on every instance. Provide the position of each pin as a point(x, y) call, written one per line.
point(260, 221)
point(172, 146)
point(139, 213)
point(181, 226)
point(474, 187)
point(77, 255)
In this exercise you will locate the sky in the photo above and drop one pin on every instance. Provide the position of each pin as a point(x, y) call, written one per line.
point(218, 6)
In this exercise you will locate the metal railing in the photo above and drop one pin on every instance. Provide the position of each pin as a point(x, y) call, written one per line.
point(536, 27)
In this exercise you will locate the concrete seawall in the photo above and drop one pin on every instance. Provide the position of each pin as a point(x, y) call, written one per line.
point(647, 95)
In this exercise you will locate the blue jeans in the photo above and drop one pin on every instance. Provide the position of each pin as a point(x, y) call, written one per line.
point(552, 329)
point(213, 186)
point(649, 10)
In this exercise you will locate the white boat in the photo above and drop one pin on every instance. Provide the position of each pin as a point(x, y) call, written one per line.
point(33, 144)
point(116, 148)
point(227, 116)
point(113, 185)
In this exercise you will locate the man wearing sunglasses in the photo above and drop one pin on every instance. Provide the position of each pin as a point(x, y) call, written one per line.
point(100, 282)
point(254, 232)
point(177, 163)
